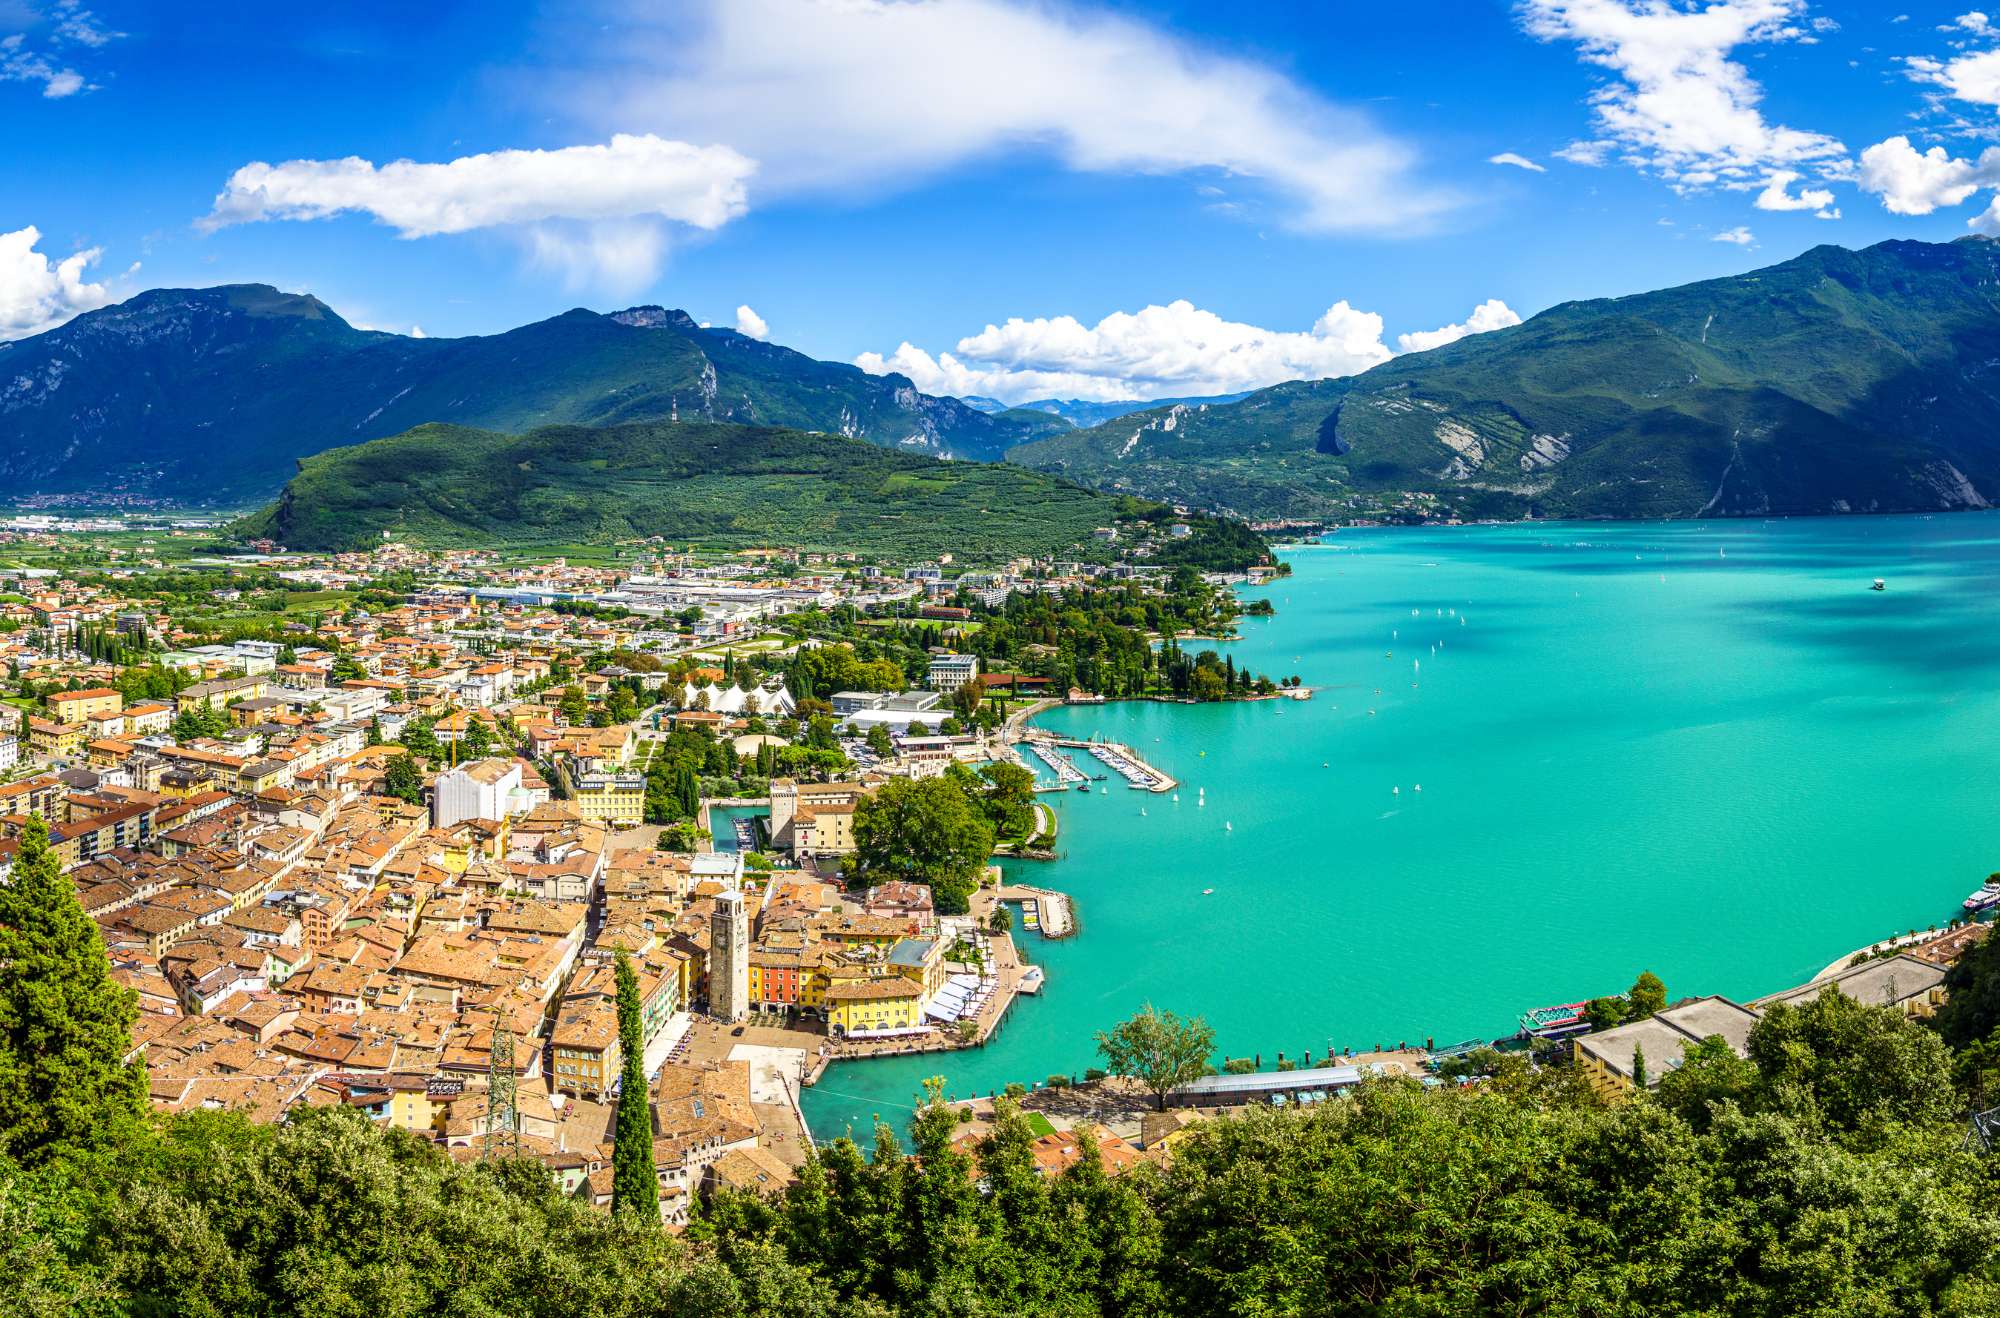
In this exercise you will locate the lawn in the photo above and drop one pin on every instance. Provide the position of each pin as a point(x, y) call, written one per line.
point(1039, 1124)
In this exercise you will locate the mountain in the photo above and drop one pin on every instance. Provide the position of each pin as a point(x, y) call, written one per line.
point(213, 394)
point(1086, 412)
point(1839, 381)
point(710, 482)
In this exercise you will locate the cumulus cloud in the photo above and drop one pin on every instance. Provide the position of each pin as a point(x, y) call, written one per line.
point(750, 323)
point(1973, 78)
point(1157, 352)
point(1491, 314)
point(1916, 183)
point(1739, 235)
point(857, 96)
point(37, 294)
point(1677, 104)
point(1517, 161)
point(1777, 196)
point(594, 213)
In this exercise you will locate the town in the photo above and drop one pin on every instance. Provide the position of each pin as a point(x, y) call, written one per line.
point(370, 830)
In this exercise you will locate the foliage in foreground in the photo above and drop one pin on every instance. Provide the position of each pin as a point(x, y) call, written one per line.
point(1827, 1175)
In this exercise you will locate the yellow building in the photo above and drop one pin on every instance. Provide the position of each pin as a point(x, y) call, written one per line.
point(889, 1003)
point(53, 739)
point(76, 706)
point(612, 798)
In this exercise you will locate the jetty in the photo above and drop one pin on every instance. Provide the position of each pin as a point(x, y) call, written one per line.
point(1064, 768)
point(1123, 761)
point(1043, 909)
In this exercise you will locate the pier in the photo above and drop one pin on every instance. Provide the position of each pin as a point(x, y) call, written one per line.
point(1125, 762)
point(1053, 917)
point(1065, 770)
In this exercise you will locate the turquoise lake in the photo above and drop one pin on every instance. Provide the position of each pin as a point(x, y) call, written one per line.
point(1705, 750)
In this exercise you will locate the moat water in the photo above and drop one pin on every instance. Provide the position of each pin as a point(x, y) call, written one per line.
point(1707, 750)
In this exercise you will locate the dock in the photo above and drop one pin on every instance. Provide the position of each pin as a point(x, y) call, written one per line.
point(1126, 763)
point(1043, 909)
point(1065, 770)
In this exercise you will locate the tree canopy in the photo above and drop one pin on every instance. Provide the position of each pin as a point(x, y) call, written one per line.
point(1158, 1049)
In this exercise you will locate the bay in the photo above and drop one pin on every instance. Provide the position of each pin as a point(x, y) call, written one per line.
point(1705, 750)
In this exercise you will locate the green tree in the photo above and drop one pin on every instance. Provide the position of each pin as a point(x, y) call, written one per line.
point(1159, 1049)
point(65, 1024)
point(403, 780)
point(1971, 1007)
point(635, 1181)
point(1639, 1068)
point(879, 741)
point(927, 832)
point(1646, 997)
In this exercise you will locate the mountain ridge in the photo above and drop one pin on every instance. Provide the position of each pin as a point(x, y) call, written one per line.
point(1837, 381)
point(217, 392)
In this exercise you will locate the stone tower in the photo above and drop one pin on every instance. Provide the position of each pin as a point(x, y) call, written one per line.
point(729, 958)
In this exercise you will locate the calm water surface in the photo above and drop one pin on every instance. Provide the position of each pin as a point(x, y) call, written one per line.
point(1705, 750)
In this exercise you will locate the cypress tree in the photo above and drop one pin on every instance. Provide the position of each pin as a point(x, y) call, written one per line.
point(65, 1024)
point(635, 1184)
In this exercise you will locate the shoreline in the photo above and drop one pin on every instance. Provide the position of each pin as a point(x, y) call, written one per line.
point(1498, 995)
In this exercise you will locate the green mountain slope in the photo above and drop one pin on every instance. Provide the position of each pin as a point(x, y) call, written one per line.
point(214, 393)
point(704, 482)
point(1838, 381)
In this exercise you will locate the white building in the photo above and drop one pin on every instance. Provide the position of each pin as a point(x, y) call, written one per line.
point(949, 672)
point(770, 700)
point(10, 753)
point(484, 789)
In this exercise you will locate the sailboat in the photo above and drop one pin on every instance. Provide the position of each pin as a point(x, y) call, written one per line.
point(1228, 828)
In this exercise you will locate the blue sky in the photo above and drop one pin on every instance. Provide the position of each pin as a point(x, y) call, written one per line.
point(1083, 199)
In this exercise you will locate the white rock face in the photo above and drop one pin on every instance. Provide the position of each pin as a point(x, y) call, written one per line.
point(1545, 451)
point(1464, 441)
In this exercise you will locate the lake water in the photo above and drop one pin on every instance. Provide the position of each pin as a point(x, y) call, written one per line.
point(1707, 750)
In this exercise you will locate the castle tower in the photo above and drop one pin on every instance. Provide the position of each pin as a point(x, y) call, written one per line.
point(729, 958)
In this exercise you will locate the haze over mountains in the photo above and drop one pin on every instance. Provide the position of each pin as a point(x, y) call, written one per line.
point(1839, 381)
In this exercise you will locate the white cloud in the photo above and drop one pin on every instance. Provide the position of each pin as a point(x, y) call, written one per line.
point(1777, 196)
point(1491, 314)
point(1910, 183)
point(1679, 106)
point(68, 24)
point(632, 175)
point(1739, 235)
point(596, 213)
point(1158, 352)
point(1517, 161)
point(18, 63)
point(1977, 23)
point(856, 96)
point(1972, 78)
point(37, 294)
point(750, 323)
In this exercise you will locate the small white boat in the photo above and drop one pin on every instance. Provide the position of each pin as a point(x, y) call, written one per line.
point(1395, 791)
point(1228, 828)
point(1418, 788)
point(1208, 892)
point(1879, 584)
